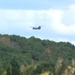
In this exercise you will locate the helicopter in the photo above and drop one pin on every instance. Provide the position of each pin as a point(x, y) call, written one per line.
point(36, 28)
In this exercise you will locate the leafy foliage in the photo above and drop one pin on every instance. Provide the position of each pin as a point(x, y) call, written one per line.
point(28, 51)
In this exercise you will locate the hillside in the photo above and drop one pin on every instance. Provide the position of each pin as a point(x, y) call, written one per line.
point(29, 51)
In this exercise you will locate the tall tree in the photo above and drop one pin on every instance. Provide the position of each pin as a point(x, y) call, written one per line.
point(15, 70)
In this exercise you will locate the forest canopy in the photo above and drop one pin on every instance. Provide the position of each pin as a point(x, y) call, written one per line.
point(15, 49)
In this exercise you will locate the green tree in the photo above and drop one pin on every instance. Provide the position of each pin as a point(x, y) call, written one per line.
point(15, 70)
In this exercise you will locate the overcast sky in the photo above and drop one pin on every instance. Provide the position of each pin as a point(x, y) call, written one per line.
point(57, 18)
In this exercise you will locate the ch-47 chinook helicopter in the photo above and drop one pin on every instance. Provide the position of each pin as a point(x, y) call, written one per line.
point(36, 28)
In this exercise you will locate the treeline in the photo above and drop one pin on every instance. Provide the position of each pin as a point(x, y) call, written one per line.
point(32, 55)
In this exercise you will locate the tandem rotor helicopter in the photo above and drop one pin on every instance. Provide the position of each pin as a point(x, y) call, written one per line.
point(36, 28)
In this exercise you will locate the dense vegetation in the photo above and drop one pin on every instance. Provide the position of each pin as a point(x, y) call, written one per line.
point(33, 56)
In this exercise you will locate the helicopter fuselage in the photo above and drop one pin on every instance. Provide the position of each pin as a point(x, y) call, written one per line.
point(36, 28)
